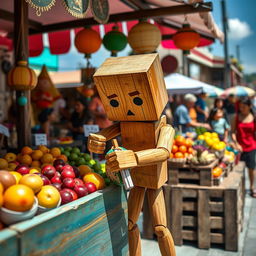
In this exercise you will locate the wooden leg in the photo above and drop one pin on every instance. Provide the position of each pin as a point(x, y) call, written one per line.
point(157, 206)
point(135, 202)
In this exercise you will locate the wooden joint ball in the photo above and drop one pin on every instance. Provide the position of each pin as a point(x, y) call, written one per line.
point(133, 93)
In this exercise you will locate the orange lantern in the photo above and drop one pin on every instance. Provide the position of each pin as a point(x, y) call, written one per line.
point(87, 41)
point(144, 37)
point(186, 38)
point(21, 77)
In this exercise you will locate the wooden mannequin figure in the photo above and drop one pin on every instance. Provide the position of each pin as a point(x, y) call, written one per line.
point(133, 93)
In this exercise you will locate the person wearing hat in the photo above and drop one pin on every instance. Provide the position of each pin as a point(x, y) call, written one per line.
point(182, 119)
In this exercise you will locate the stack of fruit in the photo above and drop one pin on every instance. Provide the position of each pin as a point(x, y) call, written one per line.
point(217, 171)
point(182, 148)
point(202, 156)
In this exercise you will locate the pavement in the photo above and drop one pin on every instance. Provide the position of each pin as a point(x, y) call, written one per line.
point(247, 238)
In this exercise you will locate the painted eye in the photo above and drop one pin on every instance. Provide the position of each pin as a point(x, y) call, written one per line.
point(137, 101)
point(114, 103)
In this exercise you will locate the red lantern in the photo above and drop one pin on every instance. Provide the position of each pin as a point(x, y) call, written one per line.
point(87, 41)
point(186, 38)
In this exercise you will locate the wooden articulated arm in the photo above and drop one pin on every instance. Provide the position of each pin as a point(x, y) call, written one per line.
point(161, 152)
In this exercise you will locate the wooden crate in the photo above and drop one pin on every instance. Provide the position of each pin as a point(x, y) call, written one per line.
point(197, 175)
point(93, 225)
point(207, 215)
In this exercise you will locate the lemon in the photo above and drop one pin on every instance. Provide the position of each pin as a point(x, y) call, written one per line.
point(200, 137)
point(222, 145)
point(209, 141)
point(207, 134)
point(214, 135)
point(216, 140)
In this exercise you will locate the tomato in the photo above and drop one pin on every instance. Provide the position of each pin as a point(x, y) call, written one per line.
point(178, 155)
point(216, 172)
point(180, 140)
point(183, 149)
point(171, 155)
point(190, 150)
point(174, 149)
point(186, 154)
point(188, 143)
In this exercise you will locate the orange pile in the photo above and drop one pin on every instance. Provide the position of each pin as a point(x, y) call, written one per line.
point(181, 148)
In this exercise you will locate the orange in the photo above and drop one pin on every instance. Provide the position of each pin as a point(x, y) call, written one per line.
point(1, 200)
point(180, 140)
point(178, 155)
point(47, 158)
point(3, 164)
point(84, 169)
point(26, 150)
point(37, 154)
point(19, 157)
point(171, 155)
point(216, 172)
point(26, 159)
point(55, 152)
point(63, 157)
point(44, 149)
point(17, 176)
point(186, 154)
point(19, 198)
point(12, 166)
point(35, 163)
point(95, 178)
point(33, 181)
point(188, 143)
point(190, 150)
point(1, 188)
point(174, 149)
point(182, 149)
point(10, 157)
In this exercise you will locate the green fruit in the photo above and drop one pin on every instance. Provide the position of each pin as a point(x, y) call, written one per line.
point(67, 153)
point(68, 149)
point(76, 150)
point(61, 150)
point(97, 167)
point(87, 157)
point(80, 161)
point(73, 156)
point(73, 163)
point(92, 161)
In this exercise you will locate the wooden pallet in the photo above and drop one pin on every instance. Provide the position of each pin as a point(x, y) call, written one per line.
point(207, 215)
point(197, 175)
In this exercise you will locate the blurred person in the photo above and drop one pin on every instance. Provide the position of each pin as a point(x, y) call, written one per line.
point(243, 136)
point(46, 118)
point(229, 106)
point(59, 108)
point(201, 108)
point(219, 124)
point(219, 103)
point(182, 120)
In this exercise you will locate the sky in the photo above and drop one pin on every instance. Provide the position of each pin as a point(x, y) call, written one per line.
point(241, 16)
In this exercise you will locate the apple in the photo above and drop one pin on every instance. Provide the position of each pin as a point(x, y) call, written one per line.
point(57, 185)
point(59, 167)
point(57, 174)
point(66, 197)
point(44, 178)
point(67, 173)
point(67, 167)
point(68, 183)
point(72, 192)
point(78, 182)
point(91, 187)
point(48, 197)
point(33, 181)
point(22, 169)
point(49, 171)
point(81, 190)
point(58, 162)
point(76, 171)
point(56, 179)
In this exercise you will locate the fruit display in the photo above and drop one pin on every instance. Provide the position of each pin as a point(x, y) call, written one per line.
point(202, 156)
point(182, 148)
point(217, 171)
point(211, 141)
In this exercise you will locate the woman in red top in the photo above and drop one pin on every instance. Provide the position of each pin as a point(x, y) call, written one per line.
point(243, 135)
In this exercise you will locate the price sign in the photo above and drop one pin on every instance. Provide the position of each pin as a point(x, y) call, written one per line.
point(90, 129)
point(40, 139)
point(4, 130)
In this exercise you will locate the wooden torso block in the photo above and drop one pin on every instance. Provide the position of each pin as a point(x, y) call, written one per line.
point(138, 136)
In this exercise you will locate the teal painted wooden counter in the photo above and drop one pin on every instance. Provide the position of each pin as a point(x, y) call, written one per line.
point(95, 225)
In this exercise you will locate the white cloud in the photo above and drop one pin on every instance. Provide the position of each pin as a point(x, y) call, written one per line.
point(249, 68)
point(238, 29)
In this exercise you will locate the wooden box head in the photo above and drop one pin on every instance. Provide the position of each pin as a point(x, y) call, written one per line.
point(132, 88)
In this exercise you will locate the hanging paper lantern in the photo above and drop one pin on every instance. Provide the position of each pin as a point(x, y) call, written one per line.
point(22, 100)
point(144, 37)
point(115, 41)
point(186, 38)
point(22, 77)
point(87, 41)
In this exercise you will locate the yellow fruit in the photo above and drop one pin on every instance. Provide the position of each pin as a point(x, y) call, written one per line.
point(94, 178)
point(10, 157)
point(17, 176)
point(37, 154)
point(84, 169)
point(35, 163)
point(3, 163)
point(26, 150)
point(44, 149)
point(214, 135)
point(48, 197)
point(200, 137)
point(47, 158)
point(33, 181)
point(206, 134)
point(222, 145)
point(209, 141)
point(33, 170)
point(26, 159)
point(215, 140)
point(1, 188)
point(55, 152)
point(12, 166)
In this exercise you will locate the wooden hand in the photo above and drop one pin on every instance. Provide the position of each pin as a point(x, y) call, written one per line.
point(119, 160)
point(96, 143)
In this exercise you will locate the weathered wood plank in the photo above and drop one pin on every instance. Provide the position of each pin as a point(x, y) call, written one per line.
point(217, 222)
point(189, 235)
point(188, 175)
point(189, 221)
point(216, 206)
point(8, 242)
point(206, 177)
point(189, 193)
point(189, 206)
point(217, 238)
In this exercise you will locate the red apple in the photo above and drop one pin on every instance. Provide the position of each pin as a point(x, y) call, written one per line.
point(81, 190)
point(67, 173)
point(72, 192)
point(66, 197)
point(67, 167)
point(78, 182)
point(57, 174)
point(49, 171)
point(56, 179)
point(59, 167)
point(22, 169)
point(68, 183)
point(90, 187)
point(76, 171)
point(58, 162)
point(44, 178)
point(57, 185)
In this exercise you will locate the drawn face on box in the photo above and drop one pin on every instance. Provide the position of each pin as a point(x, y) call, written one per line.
point(127, 97)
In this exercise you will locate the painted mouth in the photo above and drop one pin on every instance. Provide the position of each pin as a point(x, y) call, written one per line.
point(130, 113)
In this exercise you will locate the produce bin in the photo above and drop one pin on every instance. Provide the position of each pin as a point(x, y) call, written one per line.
point(93, 225)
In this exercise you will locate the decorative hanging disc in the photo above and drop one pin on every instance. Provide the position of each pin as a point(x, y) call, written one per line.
point(41, 5)
point(100, 10)
point(77, 8)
